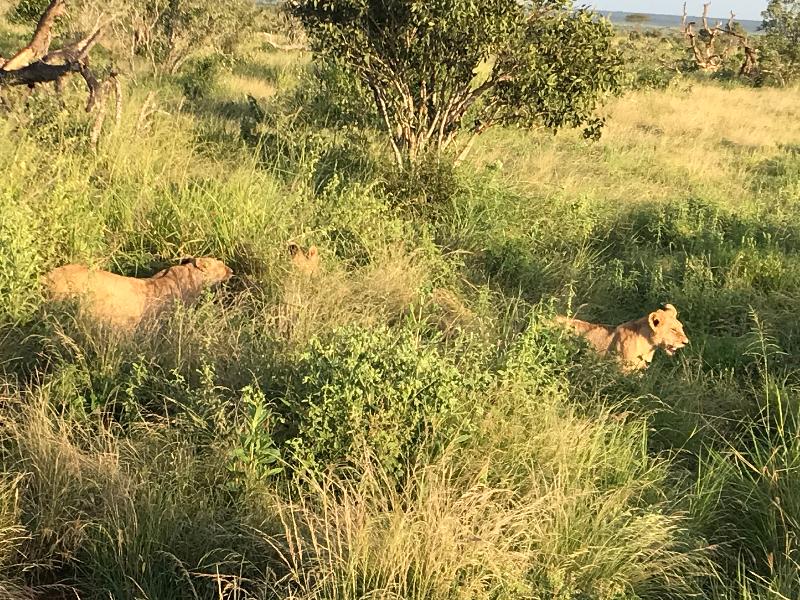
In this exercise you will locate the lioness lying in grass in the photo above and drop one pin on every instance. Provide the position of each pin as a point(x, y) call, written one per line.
point(635, 342)
point(124, 302)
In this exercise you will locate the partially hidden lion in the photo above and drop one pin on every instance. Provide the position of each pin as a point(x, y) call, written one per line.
point(124, 302)
point(305, 262)
point(635, 342)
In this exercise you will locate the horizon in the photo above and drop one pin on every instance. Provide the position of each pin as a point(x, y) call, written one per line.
point(744, 9)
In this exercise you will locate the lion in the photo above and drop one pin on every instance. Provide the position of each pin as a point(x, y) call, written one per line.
point(635, 342)
point(306, 263)
point(124, 302)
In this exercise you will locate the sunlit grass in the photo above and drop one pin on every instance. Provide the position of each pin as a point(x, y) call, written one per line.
point(160, 465)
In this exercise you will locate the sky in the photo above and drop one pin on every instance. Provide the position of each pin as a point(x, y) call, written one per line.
point(744, 9)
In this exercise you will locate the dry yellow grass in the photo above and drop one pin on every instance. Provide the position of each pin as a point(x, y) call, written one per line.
point(656, 145)
point(239, 85)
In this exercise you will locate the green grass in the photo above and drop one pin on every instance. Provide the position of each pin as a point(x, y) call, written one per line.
point(407, 424)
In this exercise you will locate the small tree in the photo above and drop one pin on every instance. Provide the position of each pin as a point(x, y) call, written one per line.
point(782, 38)
point(170, 32)
point(637, 18)
point(438, 67)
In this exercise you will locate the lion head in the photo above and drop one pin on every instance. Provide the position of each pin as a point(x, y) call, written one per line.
point(213, 270)
point(667, 330)
point(306, 262)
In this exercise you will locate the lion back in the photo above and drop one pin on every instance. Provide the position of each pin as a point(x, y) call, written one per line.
point(600, 336)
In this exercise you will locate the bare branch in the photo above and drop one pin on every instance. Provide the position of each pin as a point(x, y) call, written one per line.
point(711, 53)
point(35, 64)
point(38, 72)
point(706, 6)
point(79, 49)
point(42, 36)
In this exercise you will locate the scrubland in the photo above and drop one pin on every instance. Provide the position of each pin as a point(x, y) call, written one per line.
point(408, 423)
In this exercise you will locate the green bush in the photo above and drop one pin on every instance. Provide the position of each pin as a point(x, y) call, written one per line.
point(20, 258)
point(374, 392)
point(331, 97)
point(780, 47)
point(28, 11)
point(169, 34)
point(199, 78)
point(652, 63)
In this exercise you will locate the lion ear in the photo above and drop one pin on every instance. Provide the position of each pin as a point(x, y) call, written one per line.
point(654, 319)
point(671, 309)
point(312, 252)
point(189, 260)
point(293, 249)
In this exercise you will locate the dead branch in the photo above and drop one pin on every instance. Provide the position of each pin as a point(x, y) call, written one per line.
point(749, 66)
point(711, 46)
point(42, 36)
point(38, 72)
point(78, 50)
point(36, 64)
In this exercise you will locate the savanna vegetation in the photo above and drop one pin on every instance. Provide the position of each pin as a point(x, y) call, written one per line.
point(407, 422)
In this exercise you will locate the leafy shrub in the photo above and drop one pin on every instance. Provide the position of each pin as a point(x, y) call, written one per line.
point(255, 455)
point(428, 184)
point(404, 53)
point(376, 393)
point(199, 78)
point(171, 35)
point(28, 11)
point(332, 97)
point(652, 63)
point(781, 43)
point(20, 258)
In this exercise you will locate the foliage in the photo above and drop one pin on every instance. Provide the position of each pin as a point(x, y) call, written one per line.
point(510, 68)
point(652, 62)
point(200, 77)
point(781, 45)
point(255, 456)
point(155, 465)
point(373, 393)
point(28, 11)
point(170, 32)
point(331, 97)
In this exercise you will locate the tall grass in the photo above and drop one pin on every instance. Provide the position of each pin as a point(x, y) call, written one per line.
point(406, 423)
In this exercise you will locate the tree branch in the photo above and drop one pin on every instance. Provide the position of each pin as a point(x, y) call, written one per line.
point(40, 42)
point(38, 72)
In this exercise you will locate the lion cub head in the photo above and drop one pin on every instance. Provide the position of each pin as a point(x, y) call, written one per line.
point(667, 330)
point(306, 262)
point(213, 270)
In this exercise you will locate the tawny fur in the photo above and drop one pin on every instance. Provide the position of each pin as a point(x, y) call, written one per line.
point(634, 342)
point(124, 302)
point(304, 266)
point(306, 263)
